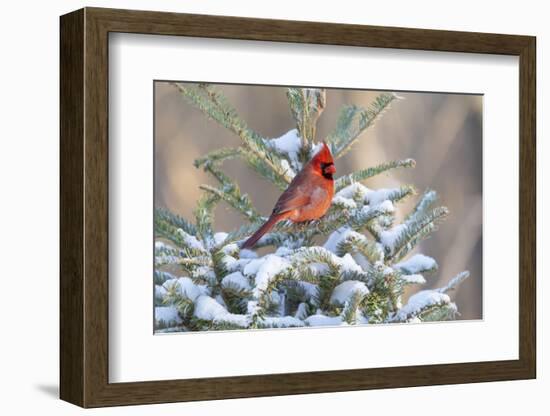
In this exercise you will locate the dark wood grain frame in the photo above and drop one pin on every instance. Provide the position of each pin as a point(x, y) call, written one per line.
point(84, 207)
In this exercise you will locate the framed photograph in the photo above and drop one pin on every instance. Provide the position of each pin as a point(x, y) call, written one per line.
point(263, 207)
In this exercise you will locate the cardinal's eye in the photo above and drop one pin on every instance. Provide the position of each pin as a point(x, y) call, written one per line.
point(327, 170)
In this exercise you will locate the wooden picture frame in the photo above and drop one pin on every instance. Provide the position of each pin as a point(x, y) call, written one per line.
point(84, 207)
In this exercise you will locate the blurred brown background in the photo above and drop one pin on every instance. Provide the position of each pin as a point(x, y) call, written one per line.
point(442, 132)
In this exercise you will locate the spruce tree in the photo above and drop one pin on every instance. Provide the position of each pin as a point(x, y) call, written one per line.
point(204, 281)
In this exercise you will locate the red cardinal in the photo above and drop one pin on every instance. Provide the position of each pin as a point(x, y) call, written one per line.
point(308, 197)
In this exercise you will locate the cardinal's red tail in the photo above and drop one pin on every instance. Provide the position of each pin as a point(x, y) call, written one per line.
point(261, 231)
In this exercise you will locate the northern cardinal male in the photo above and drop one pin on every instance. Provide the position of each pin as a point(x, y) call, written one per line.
point(308, 197)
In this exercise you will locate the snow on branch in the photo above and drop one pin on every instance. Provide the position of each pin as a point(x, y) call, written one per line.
point(306, 105)
point(420, 303)
point(455, 282)
point(216, 107)
point(402, 238)
point(419, 263)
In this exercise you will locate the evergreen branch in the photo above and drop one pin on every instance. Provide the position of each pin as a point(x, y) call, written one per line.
point(364, 276)
point(376, 307)
point(397, 194)
point(336, 270)
point(308, 255)
point(256, 146)
point(380, 224)
point(325, 280)
point(242, 232)
point(417, 264)
point(167, 231)
point(306, 105)
point(385, 291)
point(204, 275)
point(363, 174)
point(354, 120)
point(426, 201)
point(195, 262)
point(349, 313)
point(276, 239)
point(421, 304)
point(204, 216)
point(394, 290)
point(181, 239)
point(224, 325)
point(161, 277)
point(216, 107)
point(299, 109)
point(404, 279)
point(439, 313)
point(279, 322)
point(187, 256)
point(280, 180)
point(235, 298)
point(286, 231)
point(304, 273)
point(159, 295)
point(302, 310)
point(175, 220)
point(296, 290)
point(212, 104)
point(231, 200)
point(265, 304)
point(219, 266)
point(455, 282)
point(377, 225)
point(354, 244)
point(168, 226)
point(180, 301)
point(327, 284)
point(413, 231)
point(231, 194)
point(357, 219)
point(219, 155)
point(185, 262)
point(356, 194)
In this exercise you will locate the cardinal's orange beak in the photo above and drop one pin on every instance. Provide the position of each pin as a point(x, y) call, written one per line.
point(330, 169)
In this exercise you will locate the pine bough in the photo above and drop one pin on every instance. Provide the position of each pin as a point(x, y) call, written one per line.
point(204, 281)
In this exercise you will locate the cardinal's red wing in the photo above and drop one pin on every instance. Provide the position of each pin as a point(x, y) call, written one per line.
point(294, 197)
point(290, 201)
